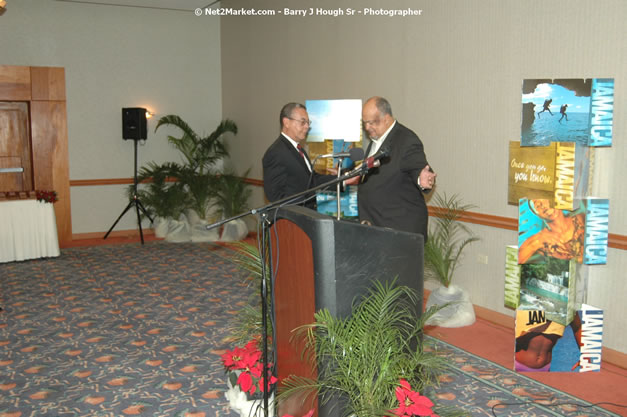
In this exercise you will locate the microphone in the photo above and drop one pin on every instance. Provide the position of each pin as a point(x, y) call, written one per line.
point(354, 153)
point(370, 162)
point(375, 160)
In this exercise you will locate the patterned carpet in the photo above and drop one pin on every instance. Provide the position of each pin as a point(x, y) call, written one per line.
point(117, 330)
point(137, 330)
point(483, 388)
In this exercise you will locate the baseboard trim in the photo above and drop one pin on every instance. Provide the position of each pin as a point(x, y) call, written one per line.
point(131, 233)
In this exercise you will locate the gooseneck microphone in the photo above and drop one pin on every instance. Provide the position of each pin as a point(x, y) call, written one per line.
point(375, 160)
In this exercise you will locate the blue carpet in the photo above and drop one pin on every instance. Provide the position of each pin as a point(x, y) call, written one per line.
point(138, 330)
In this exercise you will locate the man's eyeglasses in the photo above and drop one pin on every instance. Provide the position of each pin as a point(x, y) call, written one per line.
point(372, 122)
point(302, 122)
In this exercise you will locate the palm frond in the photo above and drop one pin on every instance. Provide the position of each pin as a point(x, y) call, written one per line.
point(249, 322)
point(448, 237)
point(232, 194)
point(177, 122)
point(363, 356)
point(197, 176)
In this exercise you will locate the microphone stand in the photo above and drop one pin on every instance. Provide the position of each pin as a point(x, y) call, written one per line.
point(338, 186)
point(265, 226)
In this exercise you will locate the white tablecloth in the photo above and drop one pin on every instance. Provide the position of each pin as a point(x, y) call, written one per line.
point(28, 230)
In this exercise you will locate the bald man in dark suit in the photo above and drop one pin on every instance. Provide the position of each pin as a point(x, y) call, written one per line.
point(287, 171)
point(392, 194)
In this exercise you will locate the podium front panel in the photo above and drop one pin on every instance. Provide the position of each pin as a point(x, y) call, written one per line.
point(321, 262)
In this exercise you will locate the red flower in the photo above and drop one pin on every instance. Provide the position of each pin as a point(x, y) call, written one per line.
point(245, 381)
point(46, 196)
point(411, 403)
point(273, 380)
point(232, 357)
point(247, 360)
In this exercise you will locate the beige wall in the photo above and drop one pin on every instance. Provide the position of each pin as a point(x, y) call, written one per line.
point(454, 75)
point(114, 57)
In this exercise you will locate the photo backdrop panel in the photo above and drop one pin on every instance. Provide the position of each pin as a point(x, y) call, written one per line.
point(542, 345)
point(567, 110)
point(558, 172)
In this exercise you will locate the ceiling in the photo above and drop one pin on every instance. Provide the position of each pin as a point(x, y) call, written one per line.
point(183, 5)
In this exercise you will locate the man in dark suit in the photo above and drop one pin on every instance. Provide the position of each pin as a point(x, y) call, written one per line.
point(287, 169)
point(392, 194)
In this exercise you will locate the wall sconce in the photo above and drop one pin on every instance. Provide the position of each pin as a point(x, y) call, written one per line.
point(149, 114)
point(2, 4)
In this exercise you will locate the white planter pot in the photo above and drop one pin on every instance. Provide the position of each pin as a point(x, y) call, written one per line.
point(245, 407)
point(161, 226)
point(201, 234)
point(179, 230)
point(459, 313)
point(234, 230)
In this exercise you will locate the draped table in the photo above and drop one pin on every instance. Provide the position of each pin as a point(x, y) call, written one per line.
point(28, 230)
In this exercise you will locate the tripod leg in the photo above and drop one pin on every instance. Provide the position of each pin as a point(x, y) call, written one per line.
point(139, 220)
point(116, 222)
point(141, 206)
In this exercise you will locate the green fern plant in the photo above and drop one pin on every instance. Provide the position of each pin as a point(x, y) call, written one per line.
point(249, 321)
point(448, 237)
point(170, 188)
point(158, 194)
point(232, 194)
point(366, 354)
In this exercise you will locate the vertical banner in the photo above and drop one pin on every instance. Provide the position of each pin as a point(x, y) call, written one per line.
point(561, 229)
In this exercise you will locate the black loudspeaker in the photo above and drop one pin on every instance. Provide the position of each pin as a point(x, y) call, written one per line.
point(134, 124)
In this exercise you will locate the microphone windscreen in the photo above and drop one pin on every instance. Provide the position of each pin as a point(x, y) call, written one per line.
point(356, 154)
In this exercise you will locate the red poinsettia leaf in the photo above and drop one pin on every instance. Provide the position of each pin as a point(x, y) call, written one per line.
point(405, 384)
point(251, 346)
point(418, 405)
point(245, 381)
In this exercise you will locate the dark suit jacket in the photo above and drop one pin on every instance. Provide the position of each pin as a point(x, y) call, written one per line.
point(389, 195)
point(285, 172)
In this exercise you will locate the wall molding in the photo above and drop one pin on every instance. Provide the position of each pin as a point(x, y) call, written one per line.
point(615, 241)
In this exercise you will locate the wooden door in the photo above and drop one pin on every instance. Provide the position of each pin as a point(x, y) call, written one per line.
point(15, 149)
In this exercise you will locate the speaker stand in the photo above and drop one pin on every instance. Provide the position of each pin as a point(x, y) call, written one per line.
point(134, 202)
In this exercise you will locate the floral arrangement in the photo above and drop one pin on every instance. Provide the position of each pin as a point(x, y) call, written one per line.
point(411, 403)
point(47, 196)
point(247, 365)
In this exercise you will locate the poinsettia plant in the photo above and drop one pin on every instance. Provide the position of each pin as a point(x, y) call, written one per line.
point(245, 368)
point(411, 403)
point(46, 196)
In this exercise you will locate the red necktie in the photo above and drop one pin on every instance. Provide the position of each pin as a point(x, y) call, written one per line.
point(302, 153)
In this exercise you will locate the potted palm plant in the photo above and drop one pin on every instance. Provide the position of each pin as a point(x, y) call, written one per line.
point(373, 362)
point(181, 194)
point(231, 198)
point(443, 252)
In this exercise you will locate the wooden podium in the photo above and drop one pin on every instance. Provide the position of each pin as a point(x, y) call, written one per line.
point(320, 262)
